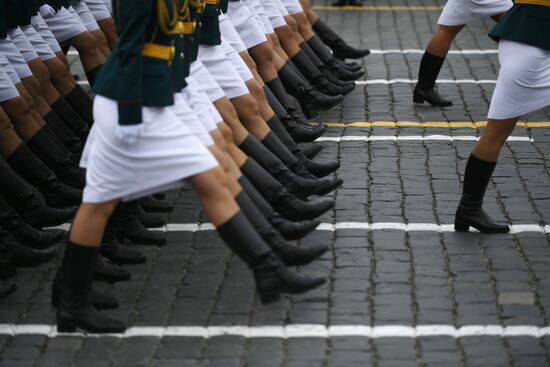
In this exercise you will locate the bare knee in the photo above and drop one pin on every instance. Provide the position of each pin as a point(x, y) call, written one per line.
point(41, 73)
point(210, 185)
point(22, 104)
point(248, 106)
point(449, 31)
point(226, 132)
point(301, 21)
point(291, 23)
point(84, 43)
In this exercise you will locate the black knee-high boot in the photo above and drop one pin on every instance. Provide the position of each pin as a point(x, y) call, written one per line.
point(315, 76)
point(301, 132)
point(293, 182)
point(470, 213)
point(289, 230)
point(338, 76)
point(63, 107)
point(430, 65)
point(82, 104)
point(291, 255)
point(311, 100)
point(282, 201)
point(57, 158)
point(289, 103)
point(115, 251)
point(56, 193)
point(338, 46)
point(129, 227)
point(62, 132)
point(316, 168)
point(29, 202)
point(75, 309)
point(337, 67)
point(272, 277)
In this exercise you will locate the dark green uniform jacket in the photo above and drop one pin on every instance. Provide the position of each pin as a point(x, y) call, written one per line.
point(3, 25)
point(525, 23)
point(19, 12)
point(131, 79)
point(210, 29)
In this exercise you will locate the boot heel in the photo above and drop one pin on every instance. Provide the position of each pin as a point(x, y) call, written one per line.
point(65, 326)
point(461, 227)
point(269, 297)
point(418, 99)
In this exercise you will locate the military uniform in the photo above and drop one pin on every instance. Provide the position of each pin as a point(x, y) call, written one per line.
point(249, 29)
point(63, 24)
point(523, 84)
point(135, 87)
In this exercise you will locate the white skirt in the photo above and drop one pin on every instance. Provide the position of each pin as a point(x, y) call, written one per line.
point(222, 70)
point(200, 103)
point(23, 45)
point(15, 61)
point(45, 32)
point(460, 12)
point(523, 84)
point(272, 10)
point(230, 34)
point(246, 25)
point(165, 154)
point(281, 7)
point(80, 9)
point(99, 9)
point(292, 6)
point(7, 87)
point(193, 121)
point(261, 16)
point(65, 25)
point(208, 84)
point(41, 47)
point(236, 60)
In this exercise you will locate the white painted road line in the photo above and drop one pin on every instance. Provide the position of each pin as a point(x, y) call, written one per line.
point(414, 138)
point(419, 51)
point(413, 81)
point(379, 226)
point(295, 331)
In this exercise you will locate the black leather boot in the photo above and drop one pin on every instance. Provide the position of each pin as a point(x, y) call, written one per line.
point(129, 227)
point(315, 76)
point(282, 201)
point(11, 221)
point(151, 220)
point(338, 46)
point(341, 77)
point(315, 168)
point(430, 66)
point(64, 108)
point(150, 204)
point(75, 308)
point(271, 275)
point(106, 271)
point(339, 3)
point(299, 132)
point(17, 255)
point(470, 213)
point(291, 255)
point(289, 103)
point(56, 193)
point(118, 253)
point(63, 132)
point(311, 100)
point(293, 182)
point(82, 104)
point(289, 230)
point(348, 65)
point(98, 300)
point(29, 202)
point(6, 289)
point(58, 159)
point(310, 150)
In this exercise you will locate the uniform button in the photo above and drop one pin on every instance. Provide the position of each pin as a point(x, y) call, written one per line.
point(182, 55)
point(181, 35)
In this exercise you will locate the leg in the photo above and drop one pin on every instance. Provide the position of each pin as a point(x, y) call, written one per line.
point(41, 71)
point(87, 49)
point(102, 43)
point(109, 29)
point(263, 56)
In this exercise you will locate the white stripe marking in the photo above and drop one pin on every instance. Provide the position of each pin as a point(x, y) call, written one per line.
point(413, 81)
point(419, 51)
point(295, 331)
point(379, 226)
point(414, 138)
point(84, 83)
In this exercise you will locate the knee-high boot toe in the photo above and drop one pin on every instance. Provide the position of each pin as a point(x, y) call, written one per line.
point(75, 310)
point(288, 229)
point(282, 201)
point(338, 46)
point(129, 227)
point(470, 213)
point(310, 150)
point(272, 277)
point(116, 252)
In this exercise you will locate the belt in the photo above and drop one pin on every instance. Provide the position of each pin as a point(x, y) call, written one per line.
point(157, 51)
point(185, 28)
point(534, 2)
point(212, 2)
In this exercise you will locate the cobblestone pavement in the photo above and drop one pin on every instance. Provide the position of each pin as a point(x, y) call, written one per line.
point(394, 259)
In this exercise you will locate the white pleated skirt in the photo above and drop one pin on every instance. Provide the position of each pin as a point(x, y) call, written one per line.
point(459, 12)
point(165, 155)
point(523, 84)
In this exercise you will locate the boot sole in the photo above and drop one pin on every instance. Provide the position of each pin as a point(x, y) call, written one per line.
point(66, 326)
point(464, 227)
